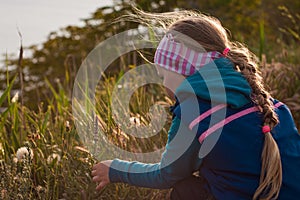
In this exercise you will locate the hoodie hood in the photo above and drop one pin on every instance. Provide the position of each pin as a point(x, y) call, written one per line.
point(217, 82)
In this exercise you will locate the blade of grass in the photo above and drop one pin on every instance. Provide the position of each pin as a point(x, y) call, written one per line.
point(7, 91)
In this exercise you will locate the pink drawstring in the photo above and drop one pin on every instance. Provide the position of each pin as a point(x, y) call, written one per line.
point(226, 50)
point(266, 129)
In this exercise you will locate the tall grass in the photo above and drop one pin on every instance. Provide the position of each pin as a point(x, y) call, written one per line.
point(61, 165)
point(283, 81)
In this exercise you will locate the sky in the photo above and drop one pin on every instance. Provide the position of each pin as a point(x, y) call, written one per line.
point(37, 18)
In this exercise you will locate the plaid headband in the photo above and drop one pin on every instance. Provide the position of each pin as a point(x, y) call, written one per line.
point(178, 58)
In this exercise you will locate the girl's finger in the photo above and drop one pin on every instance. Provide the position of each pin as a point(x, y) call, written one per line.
point(96, 166)
point(101, 185)
point(97, 179)
point(94, 172)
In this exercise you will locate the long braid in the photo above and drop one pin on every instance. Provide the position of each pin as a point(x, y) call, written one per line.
point(271, 169)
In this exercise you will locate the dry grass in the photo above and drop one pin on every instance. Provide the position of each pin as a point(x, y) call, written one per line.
point(283, 81)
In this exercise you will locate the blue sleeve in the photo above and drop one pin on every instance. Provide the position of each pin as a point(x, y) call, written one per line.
point(179, 161)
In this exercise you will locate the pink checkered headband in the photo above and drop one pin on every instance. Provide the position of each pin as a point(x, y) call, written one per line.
point(179, 58)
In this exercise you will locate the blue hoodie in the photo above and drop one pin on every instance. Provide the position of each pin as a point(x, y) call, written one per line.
point(230, 158)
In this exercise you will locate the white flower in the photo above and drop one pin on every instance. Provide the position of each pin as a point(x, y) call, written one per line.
point(40, 189)
point(68, 126)
point(52, 157)
point(15, 160)
point(15, 98)
point(24, 153)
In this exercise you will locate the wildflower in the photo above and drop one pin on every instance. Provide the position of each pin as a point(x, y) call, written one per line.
point(68, 126)
point(53, 157)
point(40, 189)
point(57, 80)
point(15, 160)
point(15, 98)
point(24, 152)
point(135, 121)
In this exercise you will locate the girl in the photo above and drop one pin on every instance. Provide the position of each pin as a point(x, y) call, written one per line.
point(257, 154)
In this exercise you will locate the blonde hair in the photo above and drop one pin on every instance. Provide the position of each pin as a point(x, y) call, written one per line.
point(212, 36)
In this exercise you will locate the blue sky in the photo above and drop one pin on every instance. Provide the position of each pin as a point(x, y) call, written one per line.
point(37, 18)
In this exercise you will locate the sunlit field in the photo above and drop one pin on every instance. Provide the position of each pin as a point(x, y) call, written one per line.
point(42, 155)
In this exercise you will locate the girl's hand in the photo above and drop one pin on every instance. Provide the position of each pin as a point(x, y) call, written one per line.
point(100, 173)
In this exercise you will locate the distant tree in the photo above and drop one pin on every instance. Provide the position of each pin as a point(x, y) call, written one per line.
point(59, 57)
